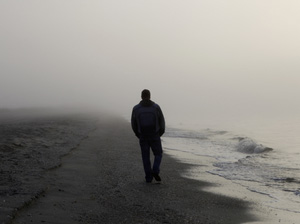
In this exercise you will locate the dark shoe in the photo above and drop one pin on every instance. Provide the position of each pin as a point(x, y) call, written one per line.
point(156, 176)
point(149, 179)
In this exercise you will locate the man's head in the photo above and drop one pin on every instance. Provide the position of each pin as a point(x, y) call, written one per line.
point(146, 94)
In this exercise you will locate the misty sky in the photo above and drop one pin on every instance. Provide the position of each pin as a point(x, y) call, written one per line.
point(195, 56)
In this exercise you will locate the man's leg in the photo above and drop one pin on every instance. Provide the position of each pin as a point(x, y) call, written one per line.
point(157, 151)
point(156, 164)
point(145, 148)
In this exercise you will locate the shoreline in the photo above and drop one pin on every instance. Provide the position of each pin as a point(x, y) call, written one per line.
point(200, 165)
point(102, 181)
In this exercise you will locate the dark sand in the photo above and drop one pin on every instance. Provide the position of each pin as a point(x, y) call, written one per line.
point(102, 181)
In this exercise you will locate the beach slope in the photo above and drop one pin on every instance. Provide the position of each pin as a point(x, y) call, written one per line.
point(102, 181)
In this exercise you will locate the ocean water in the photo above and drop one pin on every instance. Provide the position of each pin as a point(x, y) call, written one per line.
point(260, 153)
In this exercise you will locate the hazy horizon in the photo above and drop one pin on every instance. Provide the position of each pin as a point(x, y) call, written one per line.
point(196, 57)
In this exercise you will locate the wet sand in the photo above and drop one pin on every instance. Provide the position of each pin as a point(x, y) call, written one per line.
point(101, 180)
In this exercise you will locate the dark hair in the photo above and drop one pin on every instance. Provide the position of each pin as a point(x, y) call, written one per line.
point(146, 94)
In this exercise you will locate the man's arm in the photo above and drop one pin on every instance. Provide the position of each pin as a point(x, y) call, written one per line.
point(161, 120)
point(134, 124)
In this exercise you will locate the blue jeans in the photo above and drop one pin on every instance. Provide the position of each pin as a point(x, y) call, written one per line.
point(154, 143)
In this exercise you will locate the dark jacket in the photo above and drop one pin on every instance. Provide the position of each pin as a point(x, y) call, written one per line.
point(149, 113)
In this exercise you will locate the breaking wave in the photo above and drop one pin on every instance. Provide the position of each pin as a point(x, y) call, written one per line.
point(249, 146)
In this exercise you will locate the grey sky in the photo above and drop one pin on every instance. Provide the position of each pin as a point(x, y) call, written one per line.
point(211, 55)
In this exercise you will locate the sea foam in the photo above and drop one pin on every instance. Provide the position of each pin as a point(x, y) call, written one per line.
point(247, 145)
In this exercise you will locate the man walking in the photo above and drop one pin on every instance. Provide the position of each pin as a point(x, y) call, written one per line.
point(148, 124)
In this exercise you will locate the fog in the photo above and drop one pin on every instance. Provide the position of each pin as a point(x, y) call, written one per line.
point(196, 57)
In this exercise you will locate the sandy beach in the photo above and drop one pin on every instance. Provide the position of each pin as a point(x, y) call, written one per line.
point(101, 180)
